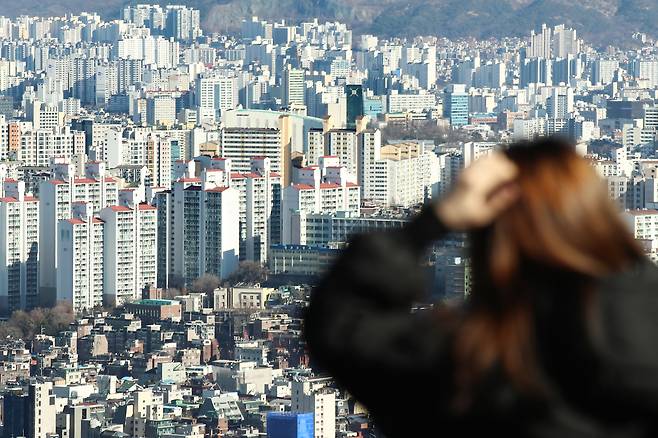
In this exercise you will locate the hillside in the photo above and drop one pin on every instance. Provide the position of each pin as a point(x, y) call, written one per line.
point(600, 21)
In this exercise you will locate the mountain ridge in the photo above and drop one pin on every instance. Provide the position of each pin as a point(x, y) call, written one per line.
point(599, 21)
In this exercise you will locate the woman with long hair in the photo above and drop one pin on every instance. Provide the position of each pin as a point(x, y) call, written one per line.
point(556, 339)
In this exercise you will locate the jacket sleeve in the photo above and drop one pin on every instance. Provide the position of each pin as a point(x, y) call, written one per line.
point(624, 342)
point(359, 326)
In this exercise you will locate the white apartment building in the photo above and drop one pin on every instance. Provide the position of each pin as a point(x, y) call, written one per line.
point(403, 176)
point(4, 138)
point(262, 207)
point(95, 186)
point(80, 271)
point(241, 144)
point(344, 144)
point(292, 131)
point(158, 51)
point(259, 194)
point(370, 144)
point(320, 189)
point(414, 103)
point(158, 159)
point(628, 191)
point(560, 104)
point(351, 147)
point(646, 69)
point(10, 137)
point(129, 251)
point(315, 146)
point(42, 410)
point(181, 142)
point(474, 150)
point(47, 118)
point(205, 231)
point(157, 150)
point(603, 70)
point(57, 197)
point(146, 406)
point(606, 168)
point(642, 223)
point(19, 248)
point(528, 129)
point(636, 135)
point(39, 146)
point(162, 199)
point(125, 146)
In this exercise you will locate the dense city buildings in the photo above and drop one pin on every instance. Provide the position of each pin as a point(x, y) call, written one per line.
point(169, 196)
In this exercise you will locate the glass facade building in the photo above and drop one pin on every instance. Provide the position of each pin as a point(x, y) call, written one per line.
point(290, 425)
point(354, 99)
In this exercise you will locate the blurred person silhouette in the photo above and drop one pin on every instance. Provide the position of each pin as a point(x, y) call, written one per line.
point(558, 337)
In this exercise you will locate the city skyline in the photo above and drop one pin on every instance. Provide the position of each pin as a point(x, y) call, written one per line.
point(170, 196)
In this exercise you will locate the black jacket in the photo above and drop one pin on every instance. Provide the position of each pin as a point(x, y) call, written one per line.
point(359, 328)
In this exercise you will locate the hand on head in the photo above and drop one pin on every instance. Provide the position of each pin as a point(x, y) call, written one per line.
point(483, 190)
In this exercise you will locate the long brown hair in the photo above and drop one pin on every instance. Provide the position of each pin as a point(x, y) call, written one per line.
point(563, 230)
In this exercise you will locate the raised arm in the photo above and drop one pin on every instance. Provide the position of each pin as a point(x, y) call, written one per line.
point(359, 326)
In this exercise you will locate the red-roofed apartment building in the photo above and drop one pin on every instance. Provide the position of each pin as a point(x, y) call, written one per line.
point(19, 249)
point(322, 189)
point(80, 256)
point(57, 197)
point(130, 251)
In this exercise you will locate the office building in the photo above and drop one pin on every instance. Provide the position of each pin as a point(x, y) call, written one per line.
point(160, 110)
point(455, 105)
point(215, 94)
point(289, 425)
point(293, 86)
point(354, 99)
point(329, 230)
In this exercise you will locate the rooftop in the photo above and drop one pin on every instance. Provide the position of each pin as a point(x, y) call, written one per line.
point(153, 302)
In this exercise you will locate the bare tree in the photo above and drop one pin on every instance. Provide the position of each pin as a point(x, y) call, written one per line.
point(206, 283)
point(249, 273)
point(27, 324)
point(171, 293)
